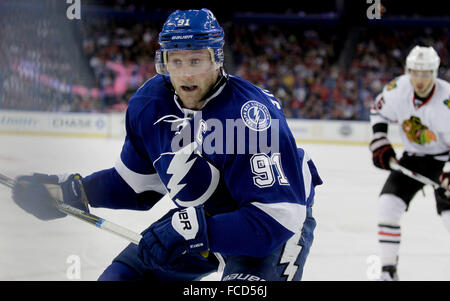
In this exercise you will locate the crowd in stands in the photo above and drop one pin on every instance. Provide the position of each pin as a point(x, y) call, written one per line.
point(294, 64)
point(302, 67)
point(300, 64)
point(121, 56)
point(39, 65)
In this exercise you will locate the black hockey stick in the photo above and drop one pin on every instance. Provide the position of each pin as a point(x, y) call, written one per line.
point(86, 216)
point(414, 175)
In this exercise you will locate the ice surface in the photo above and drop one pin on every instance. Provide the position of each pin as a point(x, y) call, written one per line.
point(345, 210)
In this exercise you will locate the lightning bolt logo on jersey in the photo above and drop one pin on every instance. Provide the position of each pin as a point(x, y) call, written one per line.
point(234, 161)
point(274, 185)
point(181, 177)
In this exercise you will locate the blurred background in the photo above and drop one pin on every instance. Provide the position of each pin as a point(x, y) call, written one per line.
point(322, 59)
point(325, 60)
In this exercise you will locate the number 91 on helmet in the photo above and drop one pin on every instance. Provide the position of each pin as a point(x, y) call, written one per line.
point(184, 39)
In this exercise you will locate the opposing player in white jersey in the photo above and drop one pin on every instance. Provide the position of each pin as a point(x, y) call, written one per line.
point(419, 103)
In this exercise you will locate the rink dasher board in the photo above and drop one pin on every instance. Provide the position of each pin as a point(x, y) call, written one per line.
point(112, 125)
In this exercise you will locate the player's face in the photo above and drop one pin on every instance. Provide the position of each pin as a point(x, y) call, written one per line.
point(421, 81)
point(192, 73)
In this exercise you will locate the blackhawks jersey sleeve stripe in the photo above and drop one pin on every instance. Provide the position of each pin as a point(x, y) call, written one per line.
point(140, 182)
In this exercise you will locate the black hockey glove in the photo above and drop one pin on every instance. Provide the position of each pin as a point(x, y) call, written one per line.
point(382, 152)
point(442, 194)
point(444, 180)
point(442, 200)
point(37, 194)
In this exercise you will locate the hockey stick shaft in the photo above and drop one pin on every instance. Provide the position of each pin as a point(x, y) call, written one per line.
point(414, 175)
point(7, 181)
point(86, 216)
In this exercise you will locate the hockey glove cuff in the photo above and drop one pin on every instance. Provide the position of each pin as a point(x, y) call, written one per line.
point(168, 239)
point(38, 194)
point(382, 151)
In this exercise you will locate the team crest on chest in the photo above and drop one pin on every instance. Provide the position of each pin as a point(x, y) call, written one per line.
point(417, 132)
point(255, 115)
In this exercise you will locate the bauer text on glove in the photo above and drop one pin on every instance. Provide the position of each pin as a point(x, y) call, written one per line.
point(169, 238)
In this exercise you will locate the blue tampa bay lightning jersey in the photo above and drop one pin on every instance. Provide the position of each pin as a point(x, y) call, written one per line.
point(236, 157)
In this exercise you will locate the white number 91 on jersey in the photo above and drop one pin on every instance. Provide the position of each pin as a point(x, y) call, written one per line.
point(262, 166)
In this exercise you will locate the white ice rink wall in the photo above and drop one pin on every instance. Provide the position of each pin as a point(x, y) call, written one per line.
point(97, 125)
point(112, 125)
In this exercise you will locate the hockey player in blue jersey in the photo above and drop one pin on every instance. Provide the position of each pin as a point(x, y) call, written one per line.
point(221, 149)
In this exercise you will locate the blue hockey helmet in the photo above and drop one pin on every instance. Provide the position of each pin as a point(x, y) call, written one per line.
point(190, 30)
